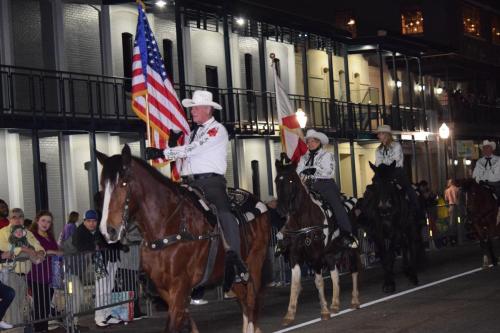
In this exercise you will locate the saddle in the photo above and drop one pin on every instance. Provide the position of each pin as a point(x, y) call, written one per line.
point(347, 202)
point(244, 206)
point(492, 190)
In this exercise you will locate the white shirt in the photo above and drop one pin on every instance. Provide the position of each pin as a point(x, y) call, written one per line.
point(387, 155)
point(486, 172)
point(324, 162)
point(205, 153)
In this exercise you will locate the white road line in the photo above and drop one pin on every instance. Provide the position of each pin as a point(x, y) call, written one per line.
point(383, 299)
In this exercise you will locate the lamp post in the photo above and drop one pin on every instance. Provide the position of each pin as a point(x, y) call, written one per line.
point(301, 117)
point(444, 133)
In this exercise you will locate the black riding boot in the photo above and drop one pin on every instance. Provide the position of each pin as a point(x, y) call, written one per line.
point(348, 240)
point(240, 269)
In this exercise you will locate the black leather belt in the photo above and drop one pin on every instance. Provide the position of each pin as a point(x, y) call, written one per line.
point(199, 176)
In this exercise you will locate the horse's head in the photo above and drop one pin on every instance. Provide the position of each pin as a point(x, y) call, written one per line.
point(383, 192)
point(288, 186)
point(115, 182)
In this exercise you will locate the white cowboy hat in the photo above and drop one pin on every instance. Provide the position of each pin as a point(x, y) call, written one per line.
point(492, 144)
point(201, 98)
point(383, 129)
point(317, 135)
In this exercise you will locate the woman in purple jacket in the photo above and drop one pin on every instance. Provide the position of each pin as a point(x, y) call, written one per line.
point(40, 276)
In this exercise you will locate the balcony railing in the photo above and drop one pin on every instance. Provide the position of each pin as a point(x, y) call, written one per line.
point(65, 100)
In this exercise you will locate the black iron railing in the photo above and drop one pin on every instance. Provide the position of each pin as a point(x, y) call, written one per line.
point(32, 97)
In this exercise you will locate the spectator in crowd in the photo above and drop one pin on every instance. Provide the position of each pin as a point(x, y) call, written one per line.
point(69, 228)
point(40, 276)
point(27, 223)
point(21, 244)
point(7, 295)
point(4, 214)
point(451, 195)
point(88, 238)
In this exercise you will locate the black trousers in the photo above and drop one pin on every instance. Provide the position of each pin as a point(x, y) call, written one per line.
point(331, 193)
point(42, 296)
point(216, 193)
point(7, 295)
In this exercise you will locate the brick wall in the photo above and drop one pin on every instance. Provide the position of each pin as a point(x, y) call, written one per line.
point(27, 176)
point(164, 28)
point(251, 46)
point(27, 33)
point(49, 154)
point(81, 39)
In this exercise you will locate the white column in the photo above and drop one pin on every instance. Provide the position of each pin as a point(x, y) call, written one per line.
point(67, 174)
point(13, 155)
point(105, 32)
point(188, 61)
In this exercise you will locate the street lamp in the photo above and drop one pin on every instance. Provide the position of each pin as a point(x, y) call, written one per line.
point(161, 3)
point(301, 117)
point(444, 133)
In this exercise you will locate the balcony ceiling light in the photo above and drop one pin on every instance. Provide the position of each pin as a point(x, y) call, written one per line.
point(160, 3)
point(351, 22)
point(240, 20)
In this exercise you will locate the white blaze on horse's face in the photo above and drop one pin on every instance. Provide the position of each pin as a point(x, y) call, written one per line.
point(108, 191)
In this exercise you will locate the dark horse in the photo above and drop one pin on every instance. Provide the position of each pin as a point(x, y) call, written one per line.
point(388, 218)
point(309, 237)
point(170, 217)
point(482, 210)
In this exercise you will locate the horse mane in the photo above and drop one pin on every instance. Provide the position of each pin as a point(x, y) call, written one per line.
point(383, 173)
point(114, 167)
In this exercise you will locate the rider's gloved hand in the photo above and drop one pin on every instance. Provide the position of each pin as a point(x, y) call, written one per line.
point(309, 172)
point(154, 153)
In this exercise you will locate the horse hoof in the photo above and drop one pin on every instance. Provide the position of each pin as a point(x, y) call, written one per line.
point(325, 315)
point(287, 321)
point(355, 306)
point(335, 309)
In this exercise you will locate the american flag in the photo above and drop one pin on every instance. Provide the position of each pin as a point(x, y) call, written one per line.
point(152, 90)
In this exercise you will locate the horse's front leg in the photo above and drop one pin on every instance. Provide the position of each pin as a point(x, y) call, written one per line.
point(320, 285)
point(179, 318)
point(295, 288)
point(335, 307)
point(387, 258)
point(354, 268)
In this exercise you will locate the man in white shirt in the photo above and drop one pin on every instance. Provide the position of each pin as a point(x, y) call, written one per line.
point(487, 168)
point(204, 163)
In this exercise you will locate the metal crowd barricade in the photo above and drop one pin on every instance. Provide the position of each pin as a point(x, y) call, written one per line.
point(105, 283)
point(37, 292)
point(62, 288)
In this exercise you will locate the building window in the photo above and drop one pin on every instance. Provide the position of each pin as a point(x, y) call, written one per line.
point(412, 21)
point(346, 21)
point(495, 30)
point(472, 21)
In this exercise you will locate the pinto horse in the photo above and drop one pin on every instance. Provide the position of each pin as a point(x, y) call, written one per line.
point(387, 217)
point(177, 237)
point(482, 209)
point(309, 237)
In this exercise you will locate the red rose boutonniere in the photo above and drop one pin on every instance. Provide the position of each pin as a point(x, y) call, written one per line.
point(212, 132)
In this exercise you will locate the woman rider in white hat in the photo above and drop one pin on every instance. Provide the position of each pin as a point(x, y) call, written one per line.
point(391, 151)
point(319, 164)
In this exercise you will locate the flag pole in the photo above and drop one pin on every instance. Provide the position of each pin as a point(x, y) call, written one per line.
point(148, 127)
point(275, 74)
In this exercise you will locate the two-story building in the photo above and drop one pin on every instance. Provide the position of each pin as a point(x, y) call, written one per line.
point(65, 87)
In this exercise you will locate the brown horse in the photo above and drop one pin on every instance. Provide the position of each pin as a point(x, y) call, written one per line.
point(177, 237)
point(309, 237)
point(482, 210)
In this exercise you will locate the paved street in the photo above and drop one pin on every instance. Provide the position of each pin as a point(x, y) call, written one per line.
point(468, 303)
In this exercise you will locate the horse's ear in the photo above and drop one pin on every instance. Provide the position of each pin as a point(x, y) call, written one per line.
point(101, 157)
point(278, 165)
point(372, 166)
point(126, 156)
point(393, 164)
